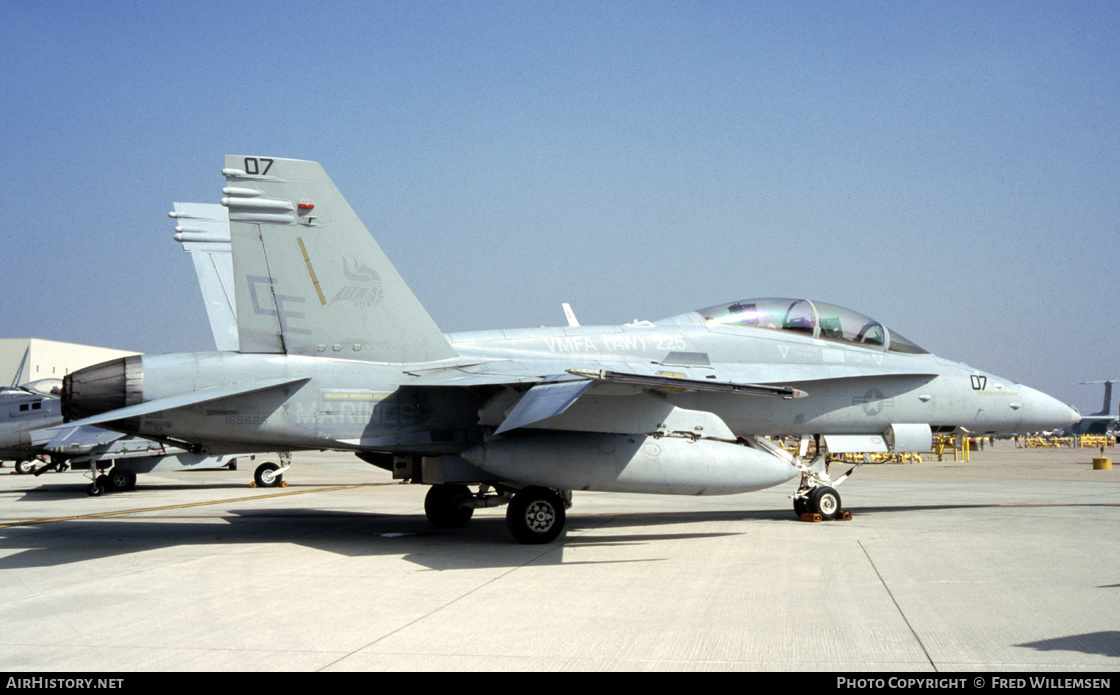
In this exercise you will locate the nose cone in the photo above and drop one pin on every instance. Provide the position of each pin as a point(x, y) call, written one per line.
point(1042, 412)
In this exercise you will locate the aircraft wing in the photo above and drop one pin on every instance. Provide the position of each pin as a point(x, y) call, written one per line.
point(763, 379)
point(182, 401)
point(550, 395)
point(681, 383)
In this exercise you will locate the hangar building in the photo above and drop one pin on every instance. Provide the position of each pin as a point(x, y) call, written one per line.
point(30, 359)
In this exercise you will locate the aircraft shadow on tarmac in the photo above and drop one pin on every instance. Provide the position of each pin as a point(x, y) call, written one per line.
point(1105, 643)
point(77, 489)
point(484, 543)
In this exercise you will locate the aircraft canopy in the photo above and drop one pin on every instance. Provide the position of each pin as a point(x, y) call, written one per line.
point(815, 319)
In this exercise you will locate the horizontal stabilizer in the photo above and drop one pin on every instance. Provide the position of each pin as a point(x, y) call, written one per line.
point(72, 439)
point(187, 399)
point(674, 382)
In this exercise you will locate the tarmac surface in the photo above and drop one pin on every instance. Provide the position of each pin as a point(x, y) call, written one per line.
point(1010, 562)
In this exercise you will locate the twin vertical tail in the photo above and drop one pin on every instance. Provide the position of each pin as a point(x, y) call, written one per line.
point(203, 230)
point(308, 277)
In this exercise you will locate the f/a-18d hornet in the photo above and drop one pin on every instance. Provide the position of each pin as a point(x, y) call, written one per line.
point(336, 352)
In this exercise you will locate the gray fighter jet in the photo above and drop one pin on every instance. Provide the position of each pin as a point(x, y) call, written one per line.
point(335, 352)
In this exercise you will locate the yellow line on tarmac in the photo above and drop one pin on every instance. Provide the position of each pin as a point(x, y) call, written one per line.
point(31, 522)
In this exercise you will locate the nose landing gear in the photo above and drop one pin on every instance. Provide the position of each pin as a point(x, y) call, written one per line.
point(817, 499)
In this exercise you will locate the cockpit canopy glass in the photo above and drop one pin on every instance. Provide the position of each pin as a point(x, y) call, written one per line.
point(816, 319)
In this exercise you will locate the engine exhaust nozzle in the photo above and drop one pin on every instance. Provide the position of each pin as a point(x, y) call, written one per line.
point(103, 387)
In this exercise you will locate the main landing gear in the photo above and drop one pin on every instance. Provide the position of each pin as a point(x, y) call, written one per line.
point(27, 466)
point(113, 479)
point(449, 506)
point(535, 515)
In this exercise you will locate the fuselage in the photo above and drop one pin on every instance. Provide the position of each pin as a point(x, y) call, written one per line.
point(851, 388)
point(447, 406)
point(22, 414)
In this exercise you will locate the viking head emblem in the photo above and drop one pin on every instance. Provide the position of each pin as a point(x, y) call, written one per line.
point(363, 286)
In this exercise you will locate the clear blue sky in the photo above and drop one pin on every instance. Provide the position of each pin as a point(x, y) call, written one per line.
point(952, 169)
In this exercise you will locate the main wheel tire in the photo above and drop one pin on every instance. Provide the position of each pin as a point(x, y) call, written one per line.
point(536, 515)
point(121, 480)
point(24, 467)
point(443, 506)
point(266, 475)
point(825, 501)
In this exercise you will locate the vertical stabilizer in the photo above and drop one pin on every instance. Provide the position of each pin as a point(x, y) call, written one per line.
point(1106, 407)
point(22, 365)
point(308, 277)
point(203, 230)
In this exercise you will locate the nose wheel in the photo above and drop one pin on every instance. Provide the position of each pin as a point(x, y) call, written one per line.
point(817, 499)
point(825, 501)
point(819, 503)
